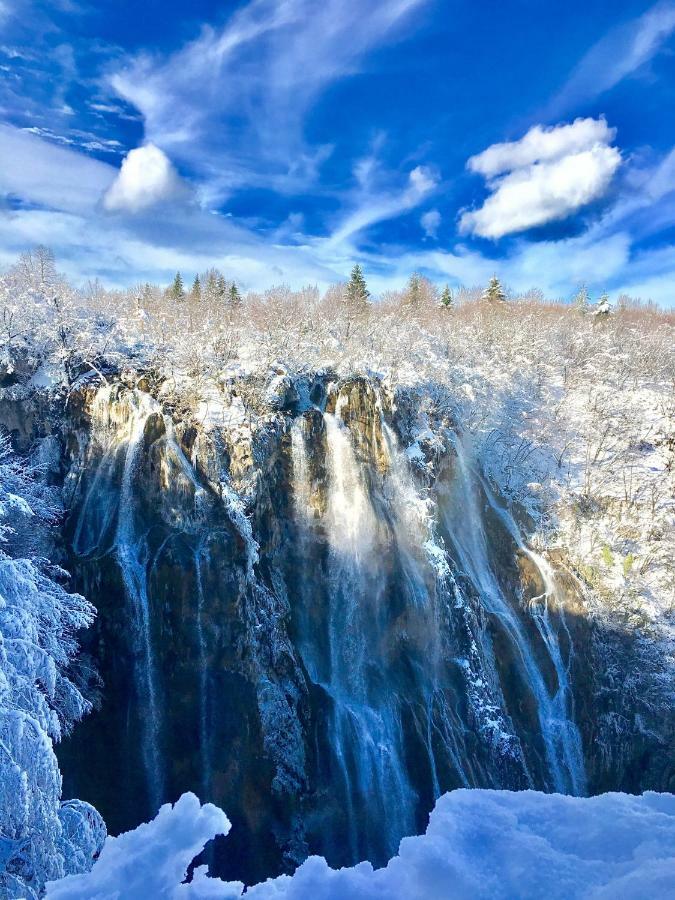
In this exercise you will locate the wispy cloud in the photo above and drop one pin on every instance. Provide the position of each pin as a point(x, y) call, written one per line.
point(620, 53)
point(372, 207)
point(38, 172)
point(233, 102)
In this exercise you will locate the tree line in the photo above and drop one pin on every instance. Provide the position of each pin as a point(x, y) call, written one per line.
point(212, 286)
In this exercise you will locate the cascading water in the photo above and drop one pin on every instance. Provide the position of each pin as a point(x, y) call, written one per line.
point(422, 553)
point(465, 525)
point(109, 522)
point(564, 731)
point(355, 661)
point(122, 428)
point(453, 685)
point(366, 737)
point(132, 555)
point(204, 737)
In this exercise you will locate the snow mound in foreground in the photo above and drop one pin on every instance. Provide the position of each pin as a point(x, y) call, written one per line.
point(479, 844)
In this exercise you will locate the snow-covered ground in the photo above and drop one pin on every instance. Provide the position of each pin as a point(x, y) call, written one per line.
point(495, 845)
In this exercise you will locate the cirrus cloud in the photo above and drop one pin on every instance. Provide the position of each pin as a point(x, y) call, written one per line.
point(544, 177)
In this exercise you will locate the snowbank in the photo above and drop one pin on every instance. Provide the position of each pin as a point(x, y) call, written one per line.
point(479, 844)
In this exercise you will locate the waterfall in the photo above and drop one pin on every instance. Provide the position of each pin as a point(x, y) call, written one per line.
point(131, 552)
point(465, 525)
point(422, 550)
point(420, 672)
point(365, 726)
point(106, 523)
point(118, 428)
point(382, 544)
point(565, 732)
point(204, 741)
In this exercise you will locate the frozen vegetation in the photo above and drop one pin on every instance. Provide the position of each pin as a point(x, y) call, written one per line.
point(496, 845)
point(40, 700)
point(566, 412)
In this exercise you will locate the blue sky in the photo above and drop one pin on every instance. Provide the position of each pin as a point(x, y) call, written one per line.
point(282, 140)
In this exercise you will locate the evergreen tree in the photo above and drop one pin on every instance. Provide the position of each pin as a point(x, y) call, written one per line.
point(357, 290)
point(177, 290)
point(221, 287)
point(235, 296)
point(211, 286)
point(414, 289)
point(582, 299)
point(196, 292)
point(447, 300)
point(603, 309)
point(146, 292)
point(494, 292)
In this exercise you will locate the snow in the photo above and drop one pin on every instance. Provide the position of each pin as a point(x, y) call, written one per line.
point(499, 845)
point(40, 837)
point(151, 861)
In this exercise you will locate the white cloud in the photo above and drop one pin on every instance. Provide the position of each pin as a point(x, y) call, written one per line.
point(544, 177)
point(620, 53)
point(542, 145)
point(430, 222)
point(145, 178)
point(232, 103)
point(422, 180)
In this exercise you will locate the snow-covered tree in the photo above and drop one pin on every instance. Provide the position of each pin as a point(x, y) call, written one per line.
point(210, 285)
point(582, 299)
point(234, 296)
point(494, 292)
point(38, 268)
point(196, 292)
point(357, 290)
point(40, 838)
point(414, 289)
point(177, 289)
point(447, 300)
point(603, 308)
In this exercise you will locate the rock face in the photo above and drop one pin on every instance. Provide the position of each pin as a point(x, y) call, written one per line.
point(315, 621)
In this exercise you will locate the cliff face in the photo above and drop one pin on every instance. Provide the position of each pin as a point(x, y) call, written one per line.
point(318, 617)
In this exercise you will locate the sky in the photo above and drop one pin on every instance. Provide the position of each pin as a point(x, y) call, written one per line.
point(285, 140)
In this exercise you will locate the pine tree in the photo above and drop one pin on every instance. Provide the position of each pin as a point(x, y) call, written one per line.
point(603, 309)
point(235, 296)
point(414, 290)
point(357, 290)
point(221, 288)
point(582, 299)
point(177, 290)
point(494, 292)
point(196, 292)
point(447, 300)
point(211, 286)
